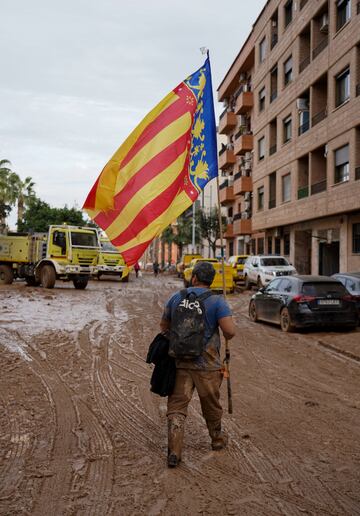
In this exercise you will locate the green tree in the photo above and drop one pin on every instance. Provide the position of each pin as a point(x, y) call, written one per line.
point(25, 192)
point(39, 215)
point(167, 237)
point(8, 182)
point(183, 232)
point(209, 227)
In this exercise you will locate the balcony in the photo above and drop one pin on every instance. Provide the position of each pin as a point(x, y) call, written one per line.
point(226, 158)
point(241, 226)
point(226, 193)
point(320, 48)
point(272, 149)
point(242, 184)
point(244, 102)
point(244, 143)
point(303, 192)
point(229, 233)
point(318, 117)
point(318, 187)
point(304, 64)
point(227, 122)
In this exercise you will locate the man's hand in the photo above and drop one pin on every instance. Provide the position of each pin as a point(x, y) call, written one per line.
point(227, 327)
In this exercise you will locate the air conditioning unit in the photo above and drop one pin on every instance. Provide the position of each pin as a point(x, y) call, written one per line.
point(247, 196)
point(247, 205)
point(242, 77)
point(247, 156)
point(302, 104)
point(226, 103)
point(242, 120)
point(274, 24)
point(325, 150)
point(324, 23)
point(247, 165)
point(245, 87)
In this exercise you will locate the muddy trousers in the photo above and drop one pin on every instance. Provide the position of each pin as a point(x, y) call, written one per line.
point(207, 384)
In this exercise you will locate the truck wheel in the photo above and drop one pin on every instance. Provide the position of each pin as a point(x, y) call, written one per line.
point(32, 281)
point(6, 275)
point(80, 283)
point(48, 276)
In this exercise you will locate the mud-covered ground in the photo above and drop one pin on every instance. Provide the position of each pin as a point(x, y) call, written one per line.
point(81, 434)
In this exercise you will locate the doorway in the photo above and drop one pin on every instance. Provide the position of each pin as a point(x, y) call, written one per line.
point(329, 256)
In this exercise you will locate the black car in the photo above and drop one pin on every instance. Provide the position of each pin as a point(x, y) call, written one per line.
point(303, 301)
point(351, 281)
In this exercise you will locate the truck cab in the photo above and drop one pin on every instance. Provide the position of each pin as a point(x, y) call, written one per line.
point(110, 261)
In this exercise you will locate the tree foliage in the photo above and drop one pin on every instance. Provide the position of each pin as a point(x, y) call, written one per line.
point(39, 215)
point(209, 227)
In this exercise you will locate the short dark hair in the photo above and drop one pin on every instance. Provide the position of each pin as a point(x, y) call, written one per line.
point(205, 272)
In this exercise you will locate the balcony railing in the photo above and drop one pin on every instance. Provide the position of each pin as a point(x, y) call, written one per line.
point(272, 149)
point(304, 63)
point(272, 203)
point(225, 184)
point(358, 90)
point(317, 50)
point(318, 187)
point(237, 175)
point(223, 113)
point(304, 127)
point(357, 173)
point(303, 192)
point(318, 117)
point(303, 3)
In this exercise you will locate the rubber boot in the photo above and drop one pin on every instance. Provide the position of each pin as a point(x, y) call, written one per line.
point(176, 423)
point(219, 438)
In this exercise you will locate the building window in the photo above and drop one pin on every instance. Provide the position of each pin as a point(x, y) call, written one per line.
point(277, 245)
point(269, 241)
point(262, 99)
point(262, 50)
point(287, 129)
point(342, 164)
point(261, 148)
point(260, 246)
point(272, 190)
point(342, 87)
point(260, 198)
point(356, 238)
point(288, 71)
point(286, 244)
point(273, 83)
point(343, 8)
point(288, 12)
point(286, 187)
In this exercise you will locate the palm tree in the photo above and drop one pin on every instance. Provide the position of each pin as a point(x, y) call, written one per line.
point(25, 192)
point(8, 182)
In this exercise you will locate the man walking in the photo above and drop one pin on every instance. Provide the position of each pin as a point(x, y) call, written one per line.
point(202, 372)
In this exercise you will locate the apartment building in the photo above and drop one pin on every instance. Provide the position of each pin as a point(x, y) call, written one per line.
point(301, 118)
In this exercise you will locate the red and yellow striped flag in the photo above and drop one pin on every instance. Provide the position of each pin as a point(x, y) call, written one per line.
point(159, 170)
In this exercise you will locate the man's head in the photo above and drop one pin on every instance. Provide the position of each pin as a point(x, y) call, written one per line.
point(204, 273)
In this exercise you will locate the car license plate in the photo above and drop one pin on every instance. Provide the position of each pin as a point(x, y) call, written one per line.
point(328, 301)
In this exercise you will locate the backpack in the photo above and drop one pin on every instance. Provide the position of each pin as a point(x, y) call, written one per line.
point(187, 330)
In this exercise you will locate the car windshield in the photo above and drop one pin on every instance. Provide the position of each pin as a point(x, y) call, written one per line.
point(107, 247)
point(240, 261)
point(323, 289)
point(84, 239)
point(273, 261)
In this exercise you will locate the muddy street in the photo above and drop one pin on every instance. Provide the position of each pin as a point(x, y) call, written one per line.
point(81, 434)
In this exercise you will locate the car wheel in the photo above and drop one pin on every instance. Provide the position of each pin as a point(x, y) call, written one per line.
point(253, 312)
point(80, 283)
point(259, 282)
point(247, 283)
point(285, 321)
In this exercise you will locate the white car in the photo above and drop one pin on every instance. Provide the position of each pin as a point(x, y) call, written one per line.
point(259, 270)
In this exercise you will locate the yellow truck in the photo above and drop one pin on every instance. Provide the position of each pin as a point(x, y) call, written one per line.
point(110, 261)
point(217, 284)
point(184, 263)
point(67, 253)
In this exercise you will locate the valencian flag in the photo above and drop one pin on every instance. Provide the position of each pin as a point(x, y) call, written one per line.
point(160, 169)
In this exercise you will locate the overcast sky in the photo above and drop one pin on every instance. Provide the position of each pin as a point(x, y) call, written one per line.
point(77, 76)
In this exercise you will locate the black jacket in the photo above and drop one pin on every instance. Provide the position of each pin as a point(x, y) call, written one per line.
point(163, 377)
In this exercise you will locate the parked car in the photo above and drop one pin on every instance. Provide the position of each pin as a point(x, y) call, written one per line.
point(217, 284)
point(303, 301)
point(351, 281)
point(237, 262)
point(259, 270)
